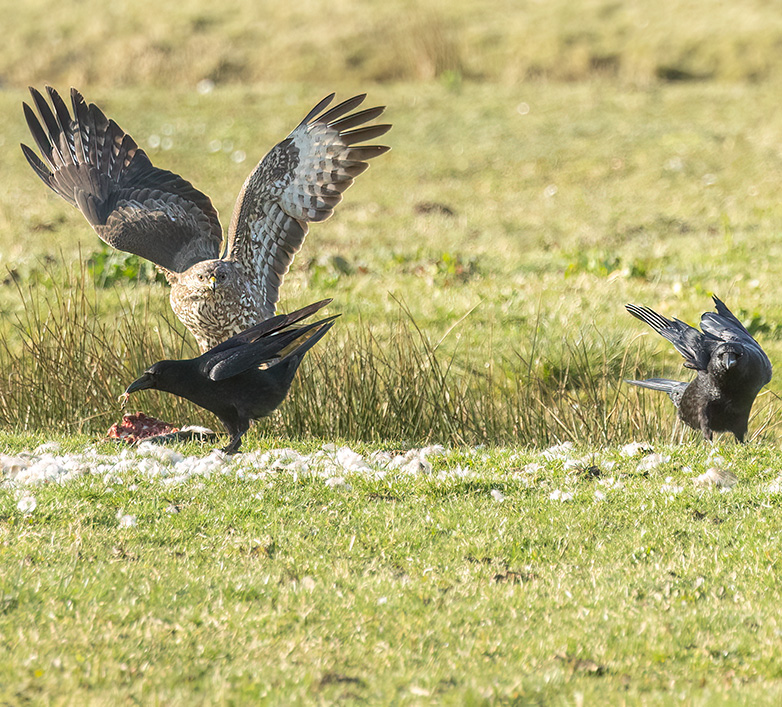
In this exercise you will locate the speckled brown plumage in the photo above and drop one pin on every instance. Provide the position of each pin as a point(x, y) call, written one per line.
point(136, 207)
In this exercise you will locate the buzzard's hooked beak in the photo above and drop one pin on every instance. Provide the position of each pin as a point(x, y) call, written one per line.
point(213, 283)
point(146, 381)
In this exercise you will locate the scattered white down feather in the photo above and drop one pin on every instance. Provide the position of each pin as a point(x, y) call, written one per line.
point(775, 486)
point(126, 520)
point(652, 461)
point(635, 448)
point(27, 504)
point(714, 477)
point(155, 462)
point(351, 461)
point(558, 451)
point(670, 488)
point(333, 465)
point(611, 483)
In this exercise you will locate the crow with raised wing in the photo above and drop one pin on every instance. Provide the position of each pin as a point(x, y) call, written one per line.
point(244, 378)
point(731, 369)
point(217, 288)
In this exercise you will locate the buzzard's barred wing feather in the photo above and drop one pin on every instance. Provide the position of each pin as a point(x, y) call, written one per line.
point(301, 180)
point(94, 165)
point(133, 206)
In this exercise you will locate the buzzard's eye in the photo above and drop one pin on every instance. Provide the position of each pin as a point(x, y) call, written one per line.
point(200, 277)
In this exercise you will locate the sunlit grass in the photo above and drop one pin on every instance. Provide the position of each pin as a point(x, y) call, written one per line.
point(66, 360)
point(500, 41)
point(550, 162)
point(499, 576)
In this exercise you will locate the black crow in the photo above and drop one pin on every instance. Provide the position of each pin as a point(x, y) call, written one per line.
point(731, 366)
point(247, 376)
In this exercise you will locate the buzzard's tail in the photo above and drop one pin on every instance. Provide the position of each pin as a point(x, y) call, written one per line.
point(675, 389)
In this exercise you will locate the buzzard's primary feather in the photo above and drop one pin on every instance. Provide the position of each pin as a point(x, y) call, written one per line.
point(133, 206)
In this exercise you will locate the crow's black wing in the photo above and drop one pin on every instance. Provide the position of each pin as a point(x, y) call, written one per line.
point(724, 326)
point(695, 346)
point(264, 328)
point(268, 349)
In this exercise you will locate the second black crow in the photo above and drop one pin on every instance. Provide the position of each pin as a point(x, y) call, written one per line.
point(731, 367)
point(245, 377)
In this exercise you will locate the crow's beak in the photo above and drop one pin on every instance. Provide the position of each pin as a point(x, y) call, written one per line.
point(730, 359)
point(146, 381)
point(213, 282)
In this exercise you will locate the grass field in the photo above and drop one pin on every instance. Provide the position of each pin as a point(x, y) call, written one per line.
point(550, 163)
point(492, 576)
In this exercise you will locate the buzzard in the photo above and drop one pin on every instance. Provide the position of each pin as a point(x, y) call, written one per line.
point(217, 288)
point(731, 366)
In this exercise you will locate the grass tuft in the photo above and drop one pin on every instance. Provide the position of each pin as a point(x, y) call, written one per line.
point(67, 359)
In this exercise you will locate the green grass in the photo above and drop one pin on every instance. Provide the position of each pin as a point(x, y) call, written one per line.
point(401, 590)
point(244, 41)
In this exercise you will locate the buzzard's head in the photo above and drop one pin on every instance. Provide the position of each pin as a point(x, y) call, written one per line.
point(206, 279)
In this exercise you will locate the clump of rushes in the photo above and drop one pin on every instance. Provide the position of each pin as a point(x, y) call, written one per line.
point(68, 356)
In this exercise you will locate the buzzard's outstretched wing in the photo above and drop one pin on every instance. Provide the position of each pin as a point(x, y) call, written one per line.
point(133, 206)
point(301, 180)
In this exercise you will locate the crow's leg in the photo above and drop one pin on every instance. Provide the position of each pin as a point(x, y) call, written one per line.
point(233, 445)
point(236, 428)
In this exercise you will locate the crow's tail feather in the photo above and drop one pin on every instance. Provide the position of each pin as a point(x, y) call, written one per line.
point(675, 389)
